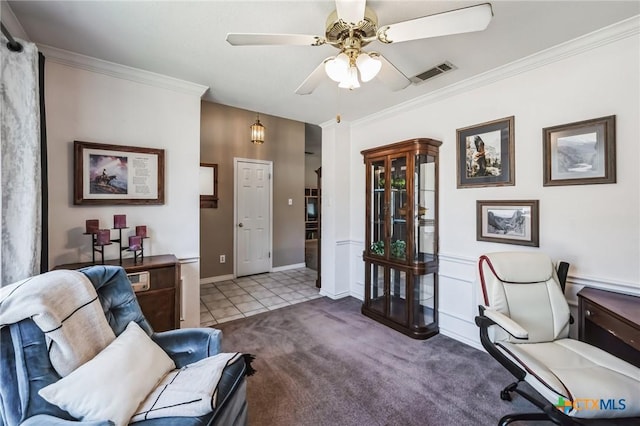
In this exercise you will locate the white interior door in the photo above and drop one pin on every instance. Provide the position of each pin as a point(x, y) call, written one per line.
point(253, 216)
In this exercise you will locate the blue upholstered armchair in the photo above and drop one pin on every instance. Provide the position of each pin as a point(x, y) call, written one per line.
point(26, 367)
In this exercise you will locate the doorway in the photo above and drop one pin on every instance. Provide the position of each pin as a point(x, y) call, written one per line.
point(252, 216)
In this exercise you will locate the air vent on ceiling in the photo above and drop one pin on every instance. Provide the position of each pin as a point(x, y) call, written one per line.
point(433, 72)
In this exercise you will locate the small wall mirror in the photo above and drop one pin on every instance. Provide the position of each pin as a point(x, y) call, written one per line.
point(208, 185)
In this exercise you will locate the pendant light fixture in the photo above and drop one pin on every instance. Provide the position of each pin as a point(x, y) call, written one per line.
point(257, 131)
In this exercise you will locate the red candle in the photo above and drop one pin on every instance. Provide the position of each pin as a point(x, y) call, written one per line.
point(141, 231)
point(119, 221)
point(135, 242)
point(92, 226)
point(104, 237)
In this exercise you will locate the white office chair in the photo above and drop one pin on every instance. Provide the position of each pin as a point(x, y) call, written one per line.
point(524, 324)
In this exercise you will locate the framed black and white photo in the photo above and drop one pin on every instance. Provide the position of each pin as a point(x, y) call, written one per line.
point(508, 222)
point(485, 154)
point(580, 153)
point(117, 174)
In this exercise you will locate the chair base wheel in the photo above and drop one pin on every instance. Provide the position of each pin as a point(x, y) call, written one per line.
point(505, 394)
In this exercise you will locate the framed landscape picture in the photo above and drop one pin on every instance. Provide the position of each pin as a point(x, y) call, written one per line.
point(580, 153)
point(117, 174)
point(508, 222)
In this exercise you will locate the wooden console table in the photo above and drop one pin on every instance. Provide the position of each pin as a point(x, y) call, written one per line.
point(610, 321)
point(161, 302)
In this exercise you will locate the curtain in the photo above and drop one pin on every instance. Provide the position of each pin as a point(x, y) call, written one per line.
point(21, 163)
point(44, 182)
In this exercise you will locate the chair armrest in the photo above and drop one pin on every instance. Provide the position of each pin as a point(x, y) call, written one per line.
point(506, 323)
point(47, 420)
point(189, 345)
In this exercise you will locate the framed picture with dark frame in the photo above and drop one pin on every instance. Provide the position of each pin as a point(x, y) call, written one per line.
point(116, 174)
point(485, 154)
point(208, 185)
point(508, 222)
point(580, 153)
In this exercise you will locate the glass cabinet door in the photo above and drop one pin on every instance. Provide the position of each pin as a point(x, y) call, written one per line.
point(376, 281)
point(399, 209)
point(398, 296)
point(424, 210)
point(424, 299)
point(377, 208)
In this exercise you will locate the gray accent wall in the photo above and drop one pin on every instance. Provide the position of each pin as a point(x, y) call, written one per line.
point(225, 135)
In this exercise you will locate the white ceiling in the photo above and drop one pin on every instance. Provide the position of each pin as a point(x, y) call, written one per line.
point(186, 40)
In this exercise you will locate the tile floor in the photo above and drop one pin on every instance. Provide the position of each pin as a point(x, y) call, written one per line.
point(229, 300)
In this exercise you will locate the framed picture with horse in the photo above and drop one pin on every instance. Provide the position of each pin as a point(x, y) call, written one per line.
point(485, 154)
point(116, 174)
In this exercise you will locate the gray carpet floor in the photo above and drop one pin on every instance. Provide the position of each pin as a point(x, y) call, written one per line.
point(323, 363)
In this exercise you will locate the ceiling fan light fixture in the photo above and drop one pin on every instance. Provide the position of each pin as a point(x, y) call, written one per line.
point(353, 26)
point(337, 68)
point(351, 82)
point(257, 132)
point(369, 66)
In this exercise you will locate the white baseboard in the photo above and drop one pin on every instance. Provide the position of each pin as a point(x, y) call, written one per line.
point(216, 279)
point(227, 277)
point(288, 267)
point(335, 296)
point(462, 339)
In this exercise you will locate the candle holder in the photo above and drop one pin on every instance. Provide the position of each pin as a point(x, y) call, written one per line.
point(119, 241)
point(136, 245)
point(102, 237)
point(142, 249)
point(98, 242)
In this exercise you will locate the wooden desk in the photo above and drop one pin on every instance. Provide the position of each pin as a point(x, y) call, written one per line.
point(161, 302)
point(610, 321)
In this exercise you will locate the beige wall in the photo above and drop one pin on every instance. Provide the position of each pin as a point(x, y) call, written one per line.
point(95, 107)
point(224, 135)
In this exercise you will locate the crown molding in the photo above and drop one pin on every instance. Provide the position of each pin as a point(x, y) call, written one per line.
point(88, 63)
point(612, 33)
point(11, 22)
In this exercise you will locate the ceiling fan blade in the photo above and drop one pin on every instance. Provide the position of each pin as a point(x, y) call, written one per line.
point(350, 11)
point(246, 39)
point(313, 80)
point(465, 20)
point(391, 76)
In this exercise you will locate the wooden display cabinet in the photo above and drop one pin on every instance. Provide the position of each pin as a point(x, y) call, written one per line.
point(160, 304)
point(401, 243)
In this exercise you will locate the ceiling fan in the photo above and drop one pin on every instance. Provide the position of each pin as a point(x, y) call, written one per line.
point(352, 26)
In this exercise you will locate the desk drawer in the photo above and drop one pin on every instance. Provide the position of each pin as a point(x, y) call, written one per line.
point(613, 325)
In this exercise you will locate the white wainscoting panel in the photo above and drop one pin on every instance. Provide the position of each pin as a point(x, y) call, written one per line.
point(460, 294)
point(340, 271)
point(357, 269)
point(458, 298)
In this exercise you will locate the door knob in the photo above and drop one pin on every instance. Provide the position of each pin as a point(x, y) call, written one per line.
point(240, 225)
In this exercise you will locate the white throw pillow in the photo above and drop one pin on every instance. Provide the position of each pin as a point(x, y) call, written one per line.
point(114, 382)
